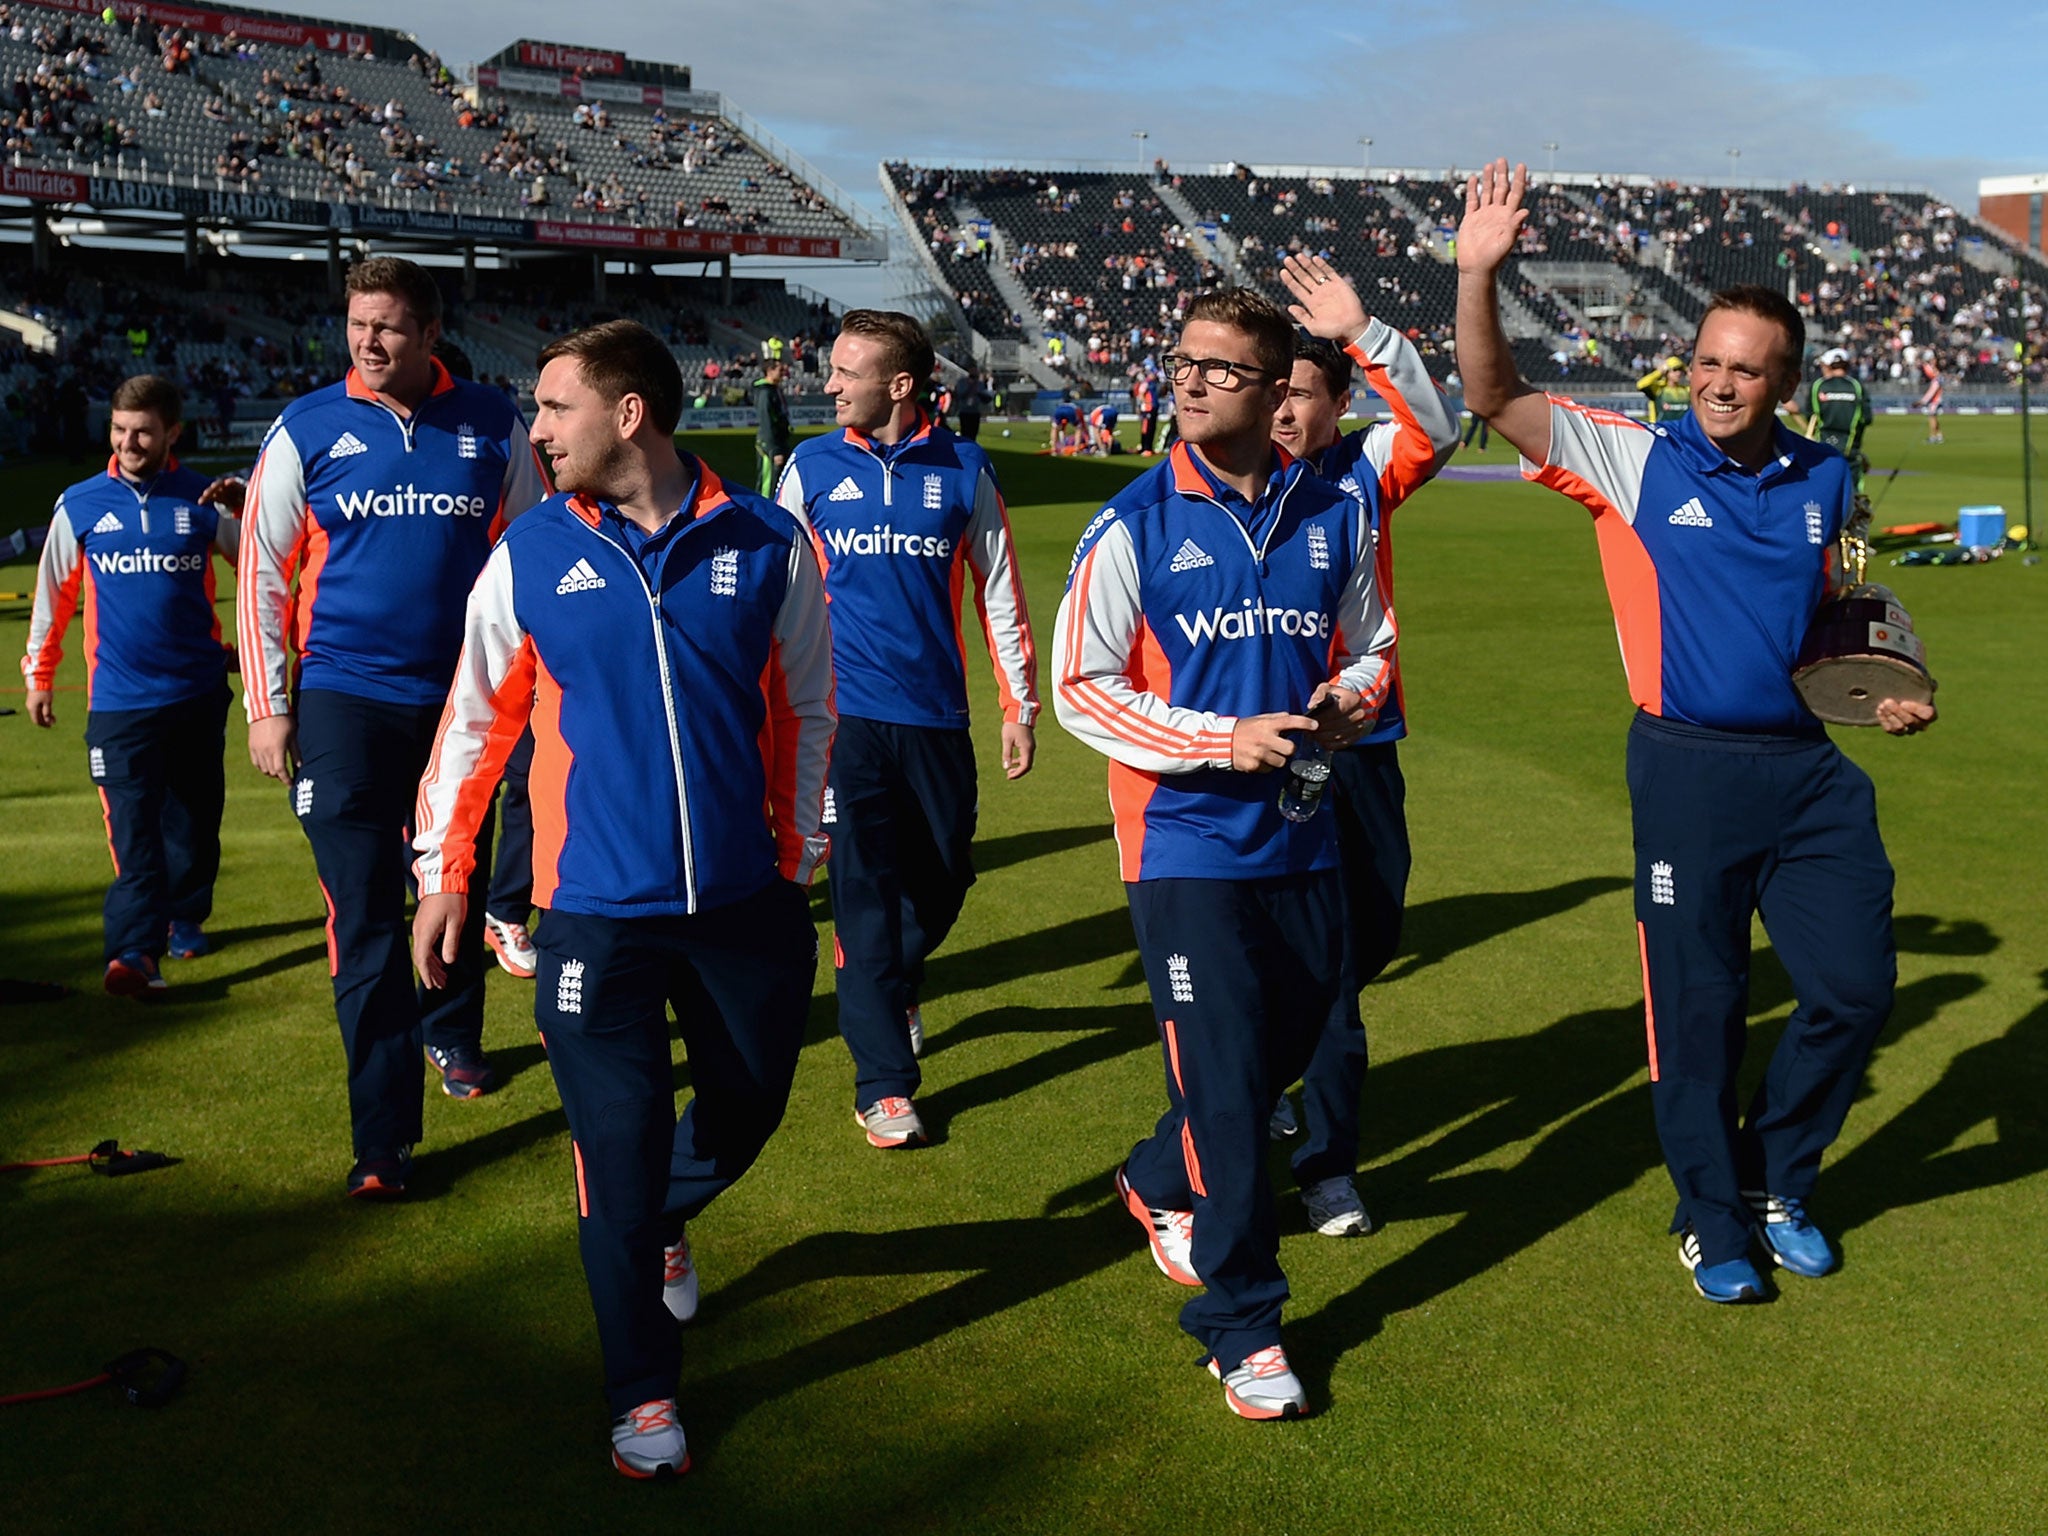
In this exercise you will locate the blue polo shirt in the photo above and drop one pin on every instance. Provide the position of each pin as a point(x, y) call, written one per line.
point(1714, 572)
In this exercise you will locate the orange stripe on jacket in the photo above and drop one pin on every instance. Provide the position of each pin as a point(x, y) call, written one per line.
point(547, 784)
point(1114, 717)
point(42, 667)
point(956, 594)
point(1131, 789)
point(1632, 590)
point(312, 551)
point(781, 743)
point(92, 630)
point(1414, 459)
point(511, 703)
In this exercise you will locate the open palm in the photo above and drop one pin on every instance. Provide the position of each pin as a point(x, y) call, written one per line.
point(1494, 216)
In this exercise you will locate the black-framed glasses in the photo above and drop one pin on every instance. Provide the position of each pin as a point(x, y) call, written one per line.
point(1219, 371)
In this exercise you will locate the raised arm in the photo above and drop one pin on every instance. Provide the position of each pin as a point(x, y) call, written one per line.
point(1494, 217)
point(1407, 452)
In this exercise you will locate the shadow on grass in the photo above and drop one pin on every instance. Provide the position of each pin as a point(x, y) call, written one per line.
point(437, 1170)
point(1077, 941)
point(1558, 1086)
point(1006, 1263)
point(997, 853)
point(1114, 1031)
point(1435, 930)
point(227, 938)
point(1913, 1157)
point(215, 989)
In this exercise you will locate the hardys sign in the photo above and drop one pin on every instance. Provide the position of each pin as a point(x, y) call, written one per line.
point(687, 241)
point(108, 192)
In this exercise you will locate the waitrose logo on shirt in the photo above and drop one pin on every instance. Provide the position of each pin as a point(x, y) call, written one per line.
point(409, 501)
point(1250, 621)
point(147, 562)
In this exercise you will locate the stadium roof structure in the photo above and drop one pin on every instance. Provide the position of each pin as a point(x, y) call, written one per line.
point(150, 196)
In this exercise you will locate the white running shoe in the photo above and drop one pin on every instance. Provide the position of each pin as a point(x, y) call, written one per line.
point(648, 1442)
point(513, 946)
point(915, 1019)
point(891, 1122)
point(1263, 1387)
point(679, 1280)
point(1283, 1124)
point(1334, 1209)
point(1171, 1234)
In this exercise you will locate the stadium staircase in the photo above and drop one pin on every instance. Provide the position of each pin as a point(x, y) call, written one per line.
point(1227, 256)
point(1030, 357)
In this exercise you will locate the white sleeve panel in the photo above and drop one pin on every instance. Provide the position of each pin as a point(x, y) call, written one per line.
point(489, 702)
point(999, 592)
point(801, 710)
point(1096, 640)
point(1596, 457)
point(1406, 453)
point(59, 575)
point(789, 495)
point(1362, 649)
point(227, 534)
point(274, 518)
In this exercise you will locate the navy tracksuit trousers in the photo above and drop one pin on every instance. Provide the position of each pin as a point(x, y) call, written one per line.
point(1242, 974)
point(1369, 798)
point(360, 762)
point(739, 979)
point(1728, 825)
point(511, 894)
point(162, 785)
point(901, 809)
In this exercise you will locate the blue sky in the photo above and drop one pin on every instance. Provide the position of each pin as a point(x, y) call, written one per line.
point(1933, 93)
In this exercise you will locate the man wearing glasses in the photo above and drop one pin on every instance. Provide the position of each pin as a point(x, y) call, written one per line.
point(1218, 616)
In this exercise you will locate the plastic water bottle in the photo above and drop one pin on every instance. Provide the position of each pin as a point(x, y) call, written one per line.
point(1303, 779)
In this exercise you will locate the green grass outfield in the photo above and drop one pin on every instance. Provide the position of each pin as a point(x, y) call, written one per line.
point(972, 1337)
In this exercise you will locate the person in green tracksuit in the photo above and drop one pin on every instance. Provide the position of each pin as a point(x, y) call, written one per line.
point(1838, 409)
point(1665, 389)
point(771, 424)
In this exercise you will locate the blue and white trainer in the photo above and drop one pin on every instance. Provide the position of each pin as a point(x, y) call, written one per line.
point(1733, 1281)
point(1794, 1241)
